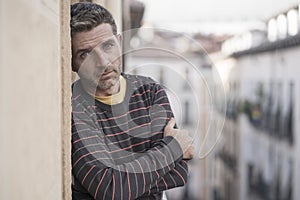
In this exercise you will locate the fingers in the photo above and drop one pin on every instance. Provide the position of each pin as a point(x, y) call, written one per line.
point(171, 123)
point(169, 128)
point(189, 153)
point(182, 137)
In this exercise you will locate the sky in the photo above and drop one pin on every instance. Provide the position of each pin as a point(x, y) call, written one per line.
point(213, 15)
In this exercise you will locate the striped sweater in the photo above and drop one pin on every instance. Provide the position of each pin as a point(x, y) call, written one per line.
point(118, 151)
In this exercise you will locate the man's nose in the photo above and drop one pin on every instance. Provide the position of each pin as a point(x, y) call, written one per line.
point(101, 58)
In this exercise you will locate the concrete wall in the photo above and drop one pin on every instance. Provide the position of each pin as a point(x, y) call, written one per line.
point(35, 100)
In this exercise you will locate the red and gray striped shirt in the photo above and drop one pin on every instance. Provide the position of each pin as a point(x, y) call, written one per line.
point(118, 151)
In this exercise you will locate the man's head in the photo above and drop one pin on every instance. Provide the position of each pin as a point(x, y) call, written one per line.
point(96, 54)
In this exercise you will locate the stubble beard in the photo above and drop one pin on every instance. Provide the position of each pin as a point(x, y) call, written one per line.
point(107, 84)
point(95, 84)
point(104, 85)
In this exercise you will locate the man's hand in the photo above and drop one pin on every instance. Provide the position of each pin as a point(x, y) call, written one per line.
point(182, 137)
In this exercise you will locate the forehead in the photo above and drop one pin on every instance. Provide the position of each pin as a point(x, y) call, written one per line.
point(92, 37)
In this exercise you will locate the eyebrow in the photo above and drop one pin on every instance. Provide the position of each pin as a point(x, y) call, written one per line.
point(84, 50)
point(109, 41)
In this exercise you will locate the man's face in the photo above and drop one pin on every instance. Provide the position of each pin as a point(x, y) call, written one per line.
point(96, 57)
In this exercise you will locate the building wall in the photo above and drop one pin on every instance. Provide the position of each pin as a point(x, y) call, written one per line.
point(267, 156)
point(35, 100)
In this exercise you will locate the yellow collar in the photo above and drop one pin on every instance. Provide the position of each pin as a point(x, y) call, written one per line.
point(116, 98)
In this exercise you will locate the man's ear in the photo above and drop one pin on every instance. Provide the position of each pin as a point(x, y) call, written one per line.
point(119, 38)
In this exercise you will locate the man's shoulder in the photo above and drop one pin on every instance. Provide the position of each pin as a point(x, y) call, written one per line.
point(79, 94)
point(76, 88)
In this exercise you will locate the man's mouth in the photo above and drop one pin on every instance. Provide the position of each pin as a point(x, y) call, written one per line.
point(106, 75)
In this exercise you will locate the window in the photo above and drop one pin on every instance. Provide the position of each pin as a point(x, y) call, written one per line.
point(272, 30)
point(282, 26)
point(293, 21)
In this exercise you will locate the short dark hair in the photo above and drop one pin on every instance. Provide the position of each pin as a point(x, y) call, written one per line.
point(86, 16)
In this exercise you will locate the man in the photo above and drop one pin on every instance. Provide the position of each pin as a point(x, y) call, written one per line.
point(124, 145)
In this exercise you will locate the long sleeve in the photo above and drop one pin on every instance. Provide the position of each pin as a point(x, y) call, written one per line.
point(160, 113)
point(122, 154)
point(93, 164)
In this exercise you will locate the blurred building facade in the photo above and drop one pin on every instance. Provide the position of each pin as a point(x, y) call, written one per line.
point(258, 154)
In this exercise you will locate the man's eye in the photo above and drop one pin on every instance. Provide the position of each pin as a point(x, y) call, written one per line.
point(107, 46)
point(84, 54)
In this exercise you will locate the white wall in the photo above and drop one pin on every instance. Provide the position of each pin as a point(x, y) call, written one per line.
point(31, 101)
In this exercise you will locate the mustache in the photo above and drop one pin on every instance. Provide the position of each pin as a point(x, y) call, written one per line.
point(100, 72)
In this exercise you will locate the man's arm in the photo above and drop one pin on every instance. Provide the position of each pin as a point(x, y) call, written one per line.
point(161, 112)
point(163, 121)
point(157, 169)
point(94, 167)
point(175, 178)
